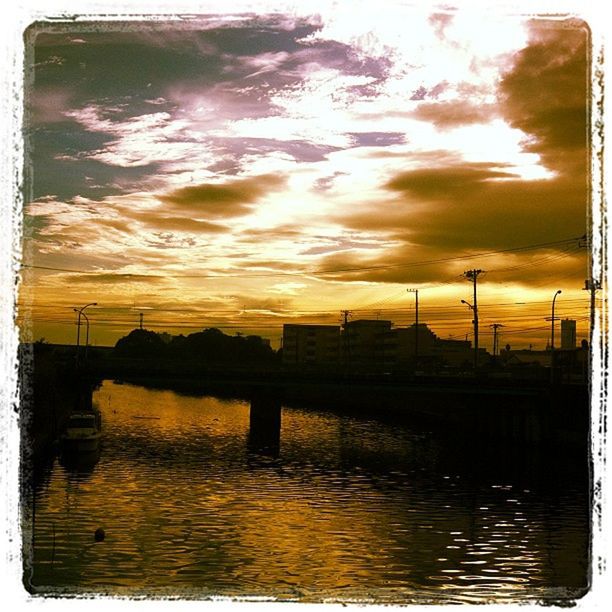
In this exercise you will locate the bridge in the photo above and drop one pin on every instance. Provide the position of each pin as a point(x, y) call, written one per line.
point(531, 411)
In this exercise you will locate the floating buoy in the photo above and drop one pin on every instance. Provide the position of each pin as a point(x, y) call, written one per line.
point(99, 535)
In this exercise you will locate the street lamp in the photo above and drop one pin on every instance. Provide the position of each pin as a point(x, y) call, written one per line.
point(86, 333)
point(80, 312)
point(552, 322)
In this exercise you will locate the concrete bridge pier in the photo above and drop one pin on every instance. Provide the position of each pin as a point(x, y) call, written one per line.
point(265, 423)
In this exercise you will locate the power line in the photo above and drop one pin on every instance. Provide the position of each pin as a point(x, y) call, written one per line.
point(455, 258)
point(310, 272)
point(100, 308)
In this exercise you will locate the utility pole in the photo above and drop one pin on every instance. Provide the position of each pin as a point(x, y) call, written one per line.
point(141, 317)
point(495, 327)
point(416, 327)
point(347, 355)
point(473, 276)
point(346, 314)
point(592, 285)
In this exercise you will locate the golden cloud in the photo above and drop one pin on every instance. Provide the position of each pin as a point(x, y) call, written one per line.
point(232, 199)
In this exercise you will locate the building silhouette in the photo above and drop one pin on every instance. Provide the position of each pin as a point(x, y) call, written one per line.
point(311, 344)
point(368, 345)
point(568, 334)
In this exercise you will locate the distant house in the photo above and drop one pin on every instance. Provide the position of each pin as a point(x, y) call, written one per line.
point(311, 344)
point(569, 364)
point(525, 357)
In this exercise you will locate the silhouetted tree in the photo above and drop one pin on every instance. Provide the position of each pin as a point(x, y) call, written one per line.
point(140, 343)
point(213, 346)
point(208, 346)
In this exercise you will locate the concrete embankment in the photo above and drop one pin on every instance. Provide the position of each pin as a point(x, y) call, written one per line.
point(50, 389)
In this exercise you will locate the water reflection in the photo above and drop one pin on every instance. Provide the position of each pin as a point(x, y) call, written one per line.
point(337, 507)
point(265, 425)
point(81, 463)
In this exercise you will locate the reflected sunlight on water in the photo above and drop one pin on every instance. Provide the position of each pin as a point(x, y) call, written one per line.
point(342, 508)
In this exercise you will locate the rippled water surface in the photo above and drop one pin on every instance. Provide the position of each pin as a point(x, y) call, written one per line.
point(196, 501)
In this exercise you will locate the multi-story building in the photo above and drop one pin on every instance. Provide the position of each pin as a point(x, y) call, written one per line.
point(311, 344)
point(368, 345)
point(568, 334)
point(410, 347)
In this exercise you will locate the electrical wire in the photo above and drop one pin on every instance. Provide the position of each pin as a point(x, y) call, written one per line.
point(316, 272)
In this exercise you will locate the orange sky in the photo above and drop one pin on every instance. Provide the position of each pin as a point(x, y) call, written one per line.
point(245, 171)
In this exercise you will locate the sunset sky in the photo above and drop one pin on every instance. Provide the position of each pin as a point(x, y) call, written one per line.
point(242, 171)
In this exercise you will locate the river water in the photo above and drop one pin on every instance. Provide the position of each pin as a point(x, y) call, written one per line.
point(338, 508)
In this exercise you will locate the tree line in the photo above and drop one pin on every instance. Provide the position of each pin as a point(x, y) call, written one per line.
point(208, 346)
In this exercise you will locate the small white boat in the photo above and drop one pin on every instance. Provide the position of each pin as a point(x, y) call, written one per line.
point(83, 433)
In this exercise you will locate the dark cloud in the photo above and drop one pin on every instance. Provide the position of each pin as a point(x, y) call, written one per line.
point(327, 182)
point(449, 211)
point(392, 266)
point(407, 264)
point(230, 199)
point(142, 58)
point(58, 165)
point(128, 70)
point(448, 183)
point(421, 93)
point(454, 113)
point(545, 94)
point(134, 219)
point(465, 208)
point(377, 139)
point(301, 150)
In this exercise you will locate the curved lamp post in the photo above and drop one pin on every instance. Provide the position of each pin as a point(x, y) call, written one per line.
point(80, 311)
point(86, 333)
point(552, 322)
